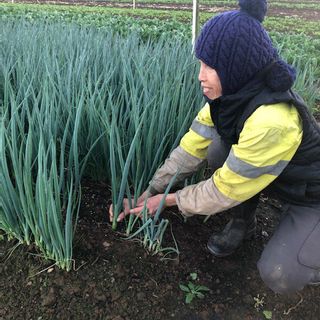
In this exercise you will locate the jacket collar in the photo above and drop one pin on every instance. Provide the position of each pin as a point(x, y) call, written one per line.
point(227, 109)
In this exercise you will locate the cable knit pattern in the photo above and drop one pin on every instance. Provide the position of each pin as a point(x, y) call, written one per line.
point(237, 46)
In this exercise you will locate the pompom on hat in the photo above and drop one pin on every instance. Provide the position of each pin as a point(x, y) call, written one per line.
point(237, 46)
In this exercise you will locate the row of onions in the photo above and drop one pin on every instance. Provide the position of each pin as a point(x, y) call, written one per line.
point(79, 102)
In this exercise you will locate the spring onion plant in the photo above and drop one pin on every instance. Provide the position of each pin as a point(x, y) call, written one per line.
point(38, 195)
point(80, 102)
point(307, 83)
point(76, 102)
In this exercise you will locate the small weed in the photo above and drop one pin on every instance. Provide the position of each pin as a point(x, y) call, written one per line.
point(267, 314)
point(259, 302)
point(193, 291)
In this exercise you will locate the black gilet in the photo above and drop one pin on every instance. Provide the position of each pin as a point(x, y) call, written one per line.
point(299, 182)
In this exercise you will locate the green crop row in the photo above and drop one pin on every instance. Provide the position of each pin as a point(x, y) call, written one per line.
point(230, 4)
point(214, 3)
point(76, 101)
point(296, 5)
point(153, 23)
point(100, 16)
point(121, 20)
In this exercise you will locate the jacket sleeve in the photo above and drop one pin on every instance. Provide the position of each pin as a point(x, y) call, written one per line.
point(265, 147)
point(189, 156)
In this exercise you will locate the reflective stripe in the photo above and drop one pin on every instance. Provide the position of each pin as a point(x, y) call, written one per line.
point(247, 170)
point(203, 130)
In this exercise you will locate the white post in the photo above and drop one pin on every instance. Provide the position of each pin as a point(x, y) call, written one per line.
point(133, 4)
point(195, 21)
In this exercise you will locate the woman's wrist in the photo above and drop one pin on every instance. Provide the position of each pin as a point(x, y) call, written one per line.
point(171, 200)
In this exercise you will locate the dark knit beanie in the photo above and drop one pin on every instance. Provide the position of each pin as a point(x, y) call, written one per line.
point(237, 46)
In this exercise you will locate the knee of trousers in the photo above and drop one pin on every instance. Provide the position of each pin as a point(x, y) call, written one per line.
point(280, 277)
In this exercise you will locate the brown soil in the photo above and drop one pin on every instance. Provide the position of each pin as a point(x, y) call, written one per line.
point(117, 279)
point(308, 14)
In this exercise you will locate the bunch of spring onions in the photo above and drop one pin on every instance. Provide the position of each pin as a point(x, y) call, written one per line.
point(78, 102)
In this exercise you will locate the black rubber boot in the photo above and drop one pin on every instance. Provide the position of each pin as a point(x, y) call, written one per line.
point(241, 227)
point(225, 243)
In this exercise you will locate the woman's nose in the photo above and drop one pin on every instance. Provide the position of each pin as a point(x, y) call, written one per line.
point(201, 77)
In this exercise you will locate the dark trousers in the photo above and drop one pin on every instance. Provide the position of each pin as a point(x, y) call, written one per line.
point(291, 259)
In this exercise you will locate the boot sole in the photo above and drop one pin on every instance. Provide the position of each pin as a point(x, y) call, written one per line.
point(219, 255)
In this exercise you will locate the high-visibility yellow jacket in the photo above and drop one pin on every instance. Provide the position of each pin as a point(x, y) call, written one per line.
point(267, 142)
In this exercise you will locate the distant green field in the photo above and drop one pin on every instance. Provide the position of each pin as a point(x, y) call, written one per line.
point(273, 4)
point(100, 16)
point(297, 38)
point(300, 37)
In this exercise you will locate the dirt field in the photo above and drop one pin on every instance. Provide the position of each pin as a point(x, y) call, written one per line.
point(119, 280)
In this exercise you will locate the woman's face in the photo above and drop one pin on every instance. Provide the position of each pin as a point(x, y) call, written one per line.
point(210, 82)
